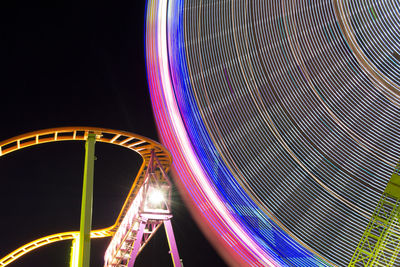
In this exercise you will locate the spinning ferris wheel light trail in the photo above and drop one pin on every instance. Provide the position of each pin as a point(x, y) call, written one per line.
point(287, 115)
point(137, 209)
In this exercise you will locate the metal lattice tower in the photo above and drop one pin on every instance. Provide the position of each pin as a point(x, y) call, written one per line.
point(380, 243)
point(143, 218)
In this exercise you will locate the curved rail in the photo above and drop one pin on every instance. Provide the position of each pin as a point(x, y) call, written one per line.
point(137, 143)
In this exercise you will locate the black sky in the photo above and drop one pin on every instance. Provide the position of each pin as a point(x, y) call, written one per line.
point(76, 66)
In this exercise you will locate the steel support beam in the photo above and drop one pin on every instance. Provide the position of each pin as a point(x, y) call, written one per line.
point(138, 242)
point(87, 203)
point(172, 244)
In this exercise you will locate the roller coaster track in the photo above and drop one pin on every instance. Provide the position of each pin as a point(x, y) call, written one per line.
point(142, 145)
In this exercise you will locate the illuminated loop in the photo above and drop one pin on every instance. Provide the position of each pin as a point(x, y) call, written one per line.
point(141, 145)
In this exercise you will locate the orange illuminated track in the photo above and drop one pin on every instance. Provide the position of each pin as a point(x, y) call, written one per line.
point(137, 143)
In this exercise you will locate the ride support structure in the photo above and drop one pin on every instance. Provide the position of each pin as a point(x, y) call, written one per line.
point(380, 243)
point(87, 203)
point(145, 209)
point(149, 210)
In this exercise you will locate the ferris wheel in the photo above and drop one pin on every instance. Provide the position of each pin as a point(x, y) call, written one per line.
point(282, 118)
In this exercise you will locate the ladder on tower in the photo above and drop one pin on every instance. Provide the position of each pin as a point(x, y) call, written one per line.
point(380, 243)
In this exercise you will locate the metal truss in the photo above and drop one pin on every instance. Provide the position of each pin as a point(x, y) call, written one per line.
point(380, 243)
point(143, 219)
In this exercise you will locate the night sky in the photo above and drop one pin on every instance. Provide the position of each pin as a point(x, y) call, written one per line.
point(77, 66)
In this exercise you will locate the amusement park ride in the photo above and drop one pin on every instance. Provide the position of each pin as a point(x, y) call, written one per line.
point(146, 207)
point(380, 242)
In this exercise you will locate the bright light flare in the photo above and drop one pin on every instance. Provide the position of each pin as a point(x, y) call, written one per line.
point(74, 252)
point(156, 197)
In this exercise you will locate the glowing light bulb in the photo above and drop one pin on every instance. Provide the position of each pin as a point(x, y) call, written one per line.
point(156, 197)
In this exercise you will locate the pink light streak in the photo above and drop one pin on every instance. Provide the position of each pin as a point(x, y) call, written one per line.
point(239, 248)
